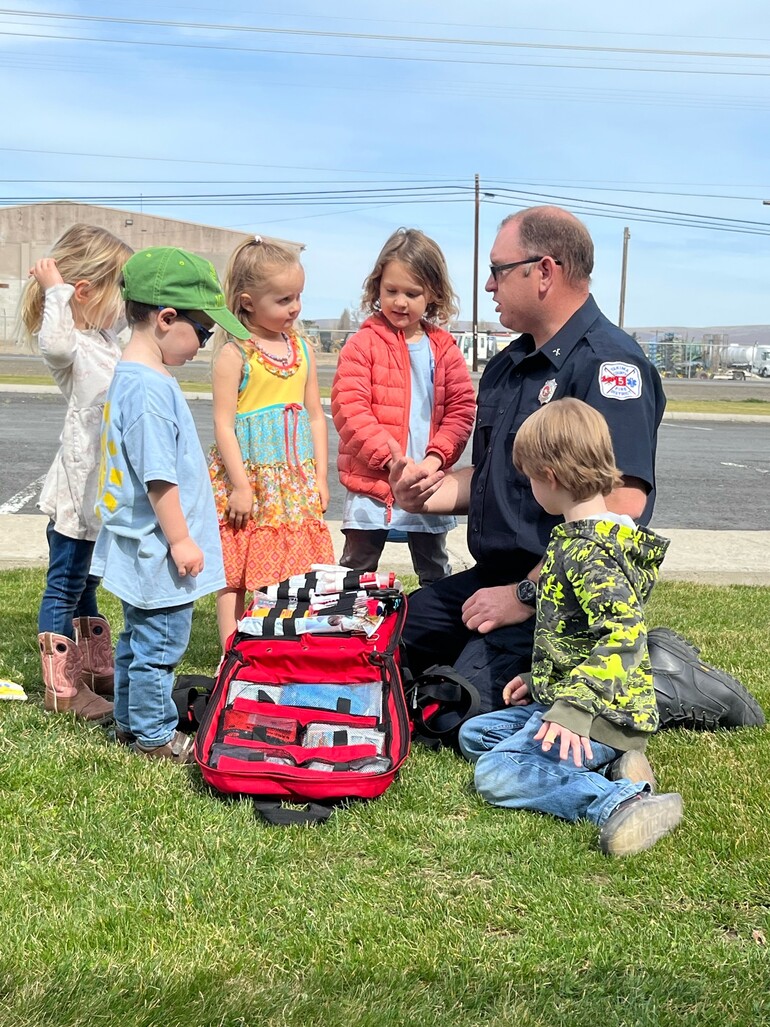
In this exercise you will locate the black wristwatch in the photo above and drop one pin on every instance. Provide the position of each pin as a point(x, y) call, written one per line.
point(526, 592)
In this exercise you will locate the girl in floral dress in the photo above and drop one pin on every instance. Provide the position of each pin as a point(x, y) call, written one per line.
point(269, 463)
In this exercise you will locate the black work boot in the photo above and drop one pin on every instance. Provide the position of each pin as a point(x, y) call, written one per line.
point(692, 693)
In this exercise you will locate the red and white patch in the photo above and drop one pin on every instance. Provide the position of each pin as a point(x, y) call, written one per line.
point(546, 393)
point(618, 380)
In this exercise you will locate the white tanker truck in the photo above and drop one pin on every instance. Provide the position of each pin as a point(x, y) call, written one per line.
point(754, 359)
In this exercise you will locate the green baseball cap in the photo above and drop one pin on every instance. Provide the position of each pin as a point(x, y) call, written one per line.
point(164, 276)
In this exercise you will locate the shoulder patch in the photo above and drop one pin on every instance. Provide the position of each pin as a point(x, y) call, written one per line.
point(618, 380)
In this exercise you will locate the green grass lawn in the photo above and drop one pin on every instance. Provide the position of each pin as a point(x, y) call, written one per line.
point(133, 896)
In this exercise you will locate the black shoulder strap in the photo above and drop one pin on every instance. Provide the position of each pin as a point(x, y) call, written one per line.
point(455, 696)
point(278, 815)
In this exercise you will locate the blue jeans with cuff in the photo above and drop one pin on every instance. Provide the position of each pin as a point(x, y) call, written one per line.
point(513, 771)
point(70, 591)
point(150, 646)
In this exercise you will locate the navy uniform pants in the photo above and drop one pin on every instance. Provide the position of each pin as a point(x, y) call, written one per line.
point(434, 633)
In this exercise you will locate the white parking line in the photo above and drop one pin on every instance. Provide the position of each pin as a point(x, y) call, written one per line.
point(15, 503)
point(691, 427)
point(745, 467)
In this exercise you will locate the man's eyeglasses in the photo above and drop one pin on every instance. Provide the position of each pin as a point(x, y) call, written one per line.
point(204, 334)
point(495, 269)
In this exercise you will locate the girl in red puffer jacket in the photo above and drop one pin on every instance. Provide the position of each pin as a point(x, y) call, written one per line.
point(401, 377)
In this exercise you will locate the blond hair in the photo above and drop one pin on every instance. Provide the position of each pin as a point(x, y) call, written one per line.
point(82, 253)
point(554, 232)
point(251, 266)
point(425, 261)
point(571, 439)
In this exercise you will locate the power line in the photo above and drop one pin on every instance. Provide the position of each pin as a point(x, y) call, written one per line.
point(381, 37)
point(422, 59)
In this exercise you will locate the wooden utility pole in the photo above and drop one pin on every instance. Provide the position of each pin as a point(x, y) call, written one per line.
point(621, 315)
point(476, 278)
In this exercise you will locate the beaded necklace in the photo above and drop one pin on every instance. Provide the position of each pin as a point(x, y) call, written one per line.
point(281, 367)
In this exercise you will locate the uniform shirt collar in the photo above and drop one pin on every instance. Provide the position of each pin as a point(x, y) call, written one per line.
point(569, 335)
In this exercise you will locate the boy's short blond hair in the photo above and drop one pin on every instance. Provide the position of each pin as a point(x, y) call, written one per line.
point(573, 440)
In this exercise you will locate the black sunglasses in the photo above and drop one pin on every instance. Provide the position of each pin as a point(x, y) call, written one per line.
point(495, 269)
point(204, 334)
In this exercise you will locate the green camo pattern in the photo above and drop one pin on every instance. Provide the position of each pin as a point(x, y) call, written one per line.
point(590, 650)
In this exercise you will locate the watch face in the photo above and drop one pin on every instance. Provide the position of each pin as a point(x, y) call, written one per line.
point(526, 591)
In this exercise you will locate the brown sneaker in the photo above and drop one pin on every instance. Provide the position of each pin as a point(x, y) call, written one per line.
point(178, 750)
point(639, 822)
point(633, 766)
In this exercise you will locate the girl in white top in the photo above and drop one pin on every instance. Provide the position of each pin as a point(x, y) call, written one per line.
point(70, 307)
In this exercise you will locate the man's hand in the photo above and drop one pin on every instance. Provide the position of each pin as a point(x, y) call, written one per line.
point(412, 484)
point(569, 742)
point(491, 608)
point(239, 506)
point(187, 557)
point(516, 692)
point(47, 273)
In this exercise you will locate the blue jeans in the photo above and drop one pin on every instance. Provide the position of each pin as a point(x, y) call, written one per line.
point(150, 646)
point(70, 591)
point(513, 771)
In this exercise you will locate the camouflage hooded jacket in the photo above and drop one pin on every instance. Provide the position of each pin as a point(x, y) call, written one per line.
point(590, 661)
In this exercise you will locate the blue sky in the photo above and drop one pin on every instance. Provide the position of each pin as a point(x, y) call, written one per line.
point(661, 108)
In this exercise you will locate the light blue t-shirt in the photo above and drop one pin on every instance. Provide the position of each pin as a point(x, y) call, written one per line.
point(369, 514)
point(148, 434)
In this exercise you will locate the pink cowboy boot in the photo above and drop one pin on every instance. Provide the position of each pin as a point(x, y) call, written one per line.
point(64, 688)
point(92, 635)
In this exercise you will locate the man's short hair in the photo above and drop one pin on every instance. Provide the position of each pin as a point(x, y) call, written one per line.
point(553, 232)
point(573, 440)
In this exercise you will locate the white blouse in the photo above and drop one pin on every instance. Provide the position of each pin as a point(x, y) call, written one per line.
point(82, 364)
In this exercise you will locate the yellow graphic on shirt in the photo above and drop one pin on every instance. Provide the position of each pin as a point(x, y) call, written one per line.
point(109, 474)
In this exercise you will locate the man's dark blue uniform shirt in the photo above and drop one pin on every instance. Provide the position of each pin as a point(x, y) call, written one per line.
point(590, 359)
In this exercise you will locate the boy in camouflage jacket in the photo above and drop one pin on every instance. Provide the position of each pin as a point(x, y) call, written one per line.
point(590, 689)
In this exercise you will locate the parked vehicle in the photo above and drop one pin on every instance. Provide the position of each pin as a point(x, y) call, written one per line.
point(749, 359)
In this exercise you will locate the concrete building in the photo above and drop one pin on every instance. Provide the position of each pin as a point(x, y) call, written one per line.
point(27, 233)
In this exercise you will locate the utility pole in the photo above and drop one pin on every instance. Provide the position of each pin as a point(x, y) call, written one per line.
point(621, 315)
point(476, 204)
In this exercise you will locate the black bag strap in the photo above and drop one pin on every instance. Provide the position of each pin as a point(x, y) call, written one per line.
point(278, 815)
point(444, 686)
point(190, 695)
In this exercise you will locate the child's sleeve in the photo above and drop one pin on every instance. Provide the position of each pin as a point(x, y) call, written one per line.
point(458, 410)
point(616, 621)
point(361, 434)
point(56, 338)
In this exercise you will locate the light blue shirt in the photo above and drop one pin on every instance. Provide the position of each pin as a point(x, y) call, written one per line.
point(148, 434)
point(369, 514)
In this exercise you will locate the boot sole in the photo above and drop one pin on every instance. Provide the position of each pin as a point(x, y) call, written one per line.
point(641, 825)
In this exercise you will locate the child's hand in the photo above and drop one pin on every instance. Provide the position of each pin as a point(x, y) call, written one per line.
point(516, 692)
point(47, 273)
point(431, 463)
point(323, 493)
point(187, 557)
point(577, 744)
point(240, 506)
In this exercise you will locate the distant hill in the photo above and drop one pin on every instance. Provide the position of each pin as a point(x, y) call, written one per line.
point(737, 335)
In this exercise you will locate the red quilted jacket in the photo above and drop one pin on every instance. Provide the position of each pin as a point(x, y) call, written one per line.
point(371, 395)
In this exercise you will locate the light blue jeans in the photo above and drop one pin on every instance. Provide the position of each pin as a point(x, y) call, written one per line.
point(150, 646)
point(513, 771)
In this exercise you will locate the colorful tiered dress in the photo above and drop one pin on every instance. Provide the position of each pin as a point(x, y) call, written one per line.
point(287, 532)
